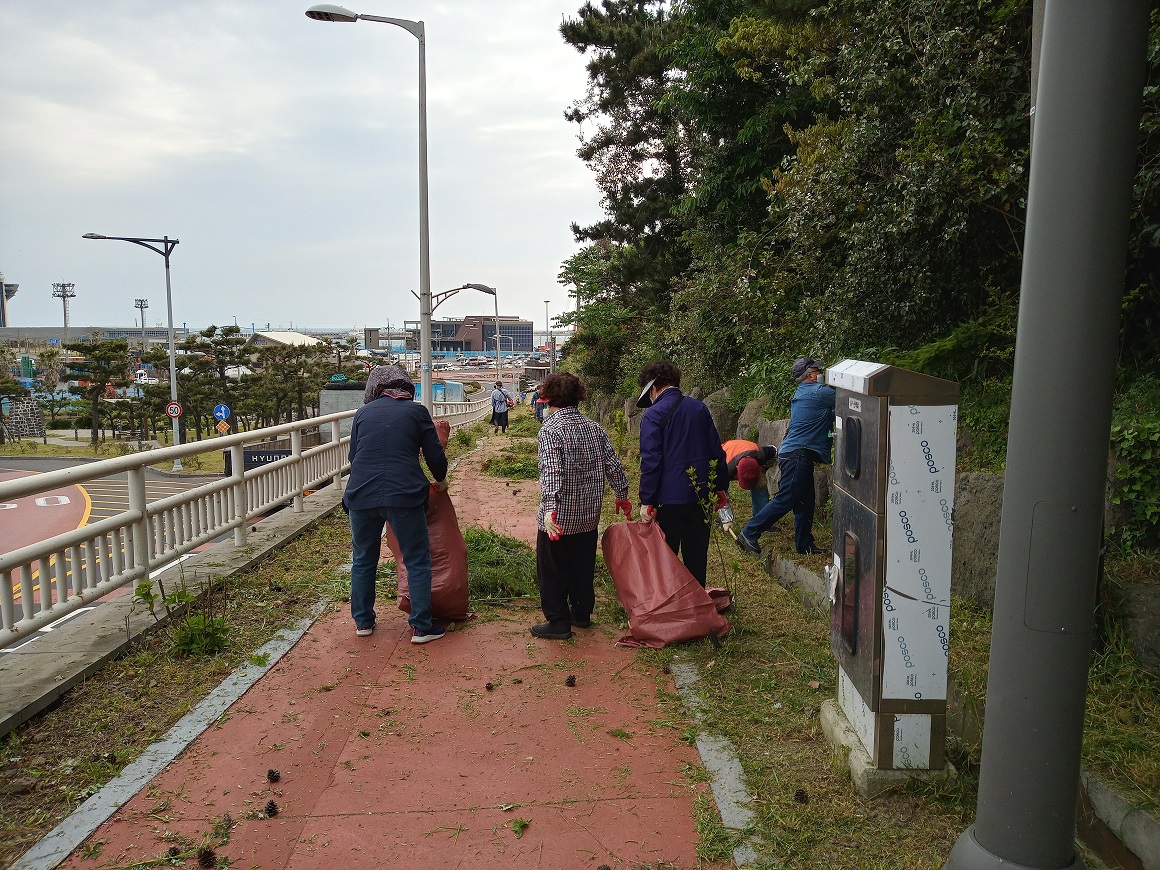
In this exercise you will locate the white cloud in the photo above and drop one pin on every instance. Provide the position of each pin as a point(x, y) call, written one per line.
point(282, 152)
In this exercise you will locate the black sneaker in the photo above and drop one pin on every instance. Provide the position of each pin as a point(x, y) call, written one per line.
point(582, 623)
point(812, 551)
point(547, 631)
point(433, 633)
point(748, 545)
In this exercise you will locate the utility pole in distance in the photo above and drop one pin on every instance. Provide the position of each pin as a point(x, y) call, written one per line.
point(64, 292)
point(141, 305)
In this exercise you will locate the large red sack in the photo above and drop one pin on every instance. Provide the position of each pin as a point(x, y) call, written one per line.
point(449, 598)
point(664, 603)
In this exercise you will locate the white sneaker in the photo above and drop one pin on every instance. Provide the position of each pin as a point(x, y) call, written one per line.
point(364, 632)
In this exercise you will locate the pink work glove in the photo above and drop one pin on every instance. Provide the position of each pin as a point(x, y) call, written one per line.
point(553, 528)
point(623, 506)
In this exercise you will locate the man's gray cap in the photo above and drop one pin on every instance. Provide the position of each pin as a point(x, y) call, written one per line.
point(803, 365)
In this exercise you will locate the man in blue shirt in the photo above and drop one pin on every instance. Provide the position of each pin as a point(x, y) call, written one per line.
point(678, 442)
point(811, 426)
point(387, 485)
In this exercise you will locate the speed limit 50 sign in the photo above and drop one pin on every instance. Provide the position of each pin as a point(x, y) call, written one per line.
point(173, 409)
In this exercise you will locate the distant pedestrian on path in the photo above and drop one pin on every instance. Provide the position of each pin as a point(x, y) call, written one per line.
point(501, 401)
point(811, 427)
point(387, 485)
point(677, 434)
point(575, 458)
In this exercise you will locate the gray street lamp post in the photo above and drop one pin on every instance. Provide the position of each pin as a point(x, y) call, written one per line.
point(329, 12)
point(512, 339)
point(167, 245)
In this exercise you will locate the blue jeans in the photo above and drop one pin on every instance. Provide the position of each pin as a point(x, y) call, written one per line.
point(410, 527)
point(795, 491)
point(758, 498)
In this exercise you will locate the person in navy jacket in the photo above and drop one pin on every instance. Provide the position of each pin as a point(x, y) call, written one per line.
point(387, 485)
point(679, 443)
point(811, 428)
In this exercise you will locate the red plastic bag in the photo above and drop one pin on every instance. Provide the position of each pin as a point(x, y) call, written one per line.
point(664, 603)
point(449, 597)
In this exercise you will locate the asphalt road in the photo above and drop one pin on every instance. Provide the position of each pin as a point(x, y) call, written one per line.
point(37, 518)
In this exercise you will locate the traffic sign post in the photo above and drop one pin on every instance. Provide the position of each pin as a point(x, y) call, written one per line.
point(223, 427)
point(173, 409)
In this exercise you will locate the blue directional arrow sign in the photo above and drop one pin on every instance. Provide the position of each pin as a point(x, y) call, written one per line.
point(221, 412)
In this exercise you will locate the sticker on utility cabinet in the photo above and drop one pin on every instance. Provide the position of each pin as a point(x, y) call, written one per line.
point(920, 497)
point(916, 599)
point(912, 741)
point(916, 646)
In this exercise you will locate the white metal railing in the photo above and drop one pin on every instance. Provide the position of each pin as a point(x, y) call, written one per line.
point(460, 414)
point(48, 580)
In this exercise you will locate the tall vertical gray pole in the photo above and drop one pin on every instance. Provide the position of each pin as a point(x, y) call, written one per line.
point(424, 227)
point(1091, 77)
point(172, 348)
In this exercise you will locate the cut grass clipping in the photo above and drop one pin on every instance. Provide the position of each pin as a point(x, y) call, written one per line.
point(517, 461)
point(498, 567)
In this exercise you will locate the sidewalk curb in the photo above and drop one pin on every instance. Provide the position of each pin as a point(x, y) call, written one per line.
point(60, 842)
point(727, 778)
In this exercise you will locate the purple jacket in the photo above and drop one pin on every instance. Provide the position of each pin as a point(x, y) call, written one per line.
point(689, 440)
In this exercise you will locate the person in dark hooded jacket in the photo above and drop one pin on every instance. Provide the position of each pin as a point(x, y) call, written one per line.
point(387, 485)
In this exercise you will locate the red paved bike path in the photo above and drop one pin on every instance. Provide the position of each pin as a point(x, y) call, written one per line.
point(396, 755)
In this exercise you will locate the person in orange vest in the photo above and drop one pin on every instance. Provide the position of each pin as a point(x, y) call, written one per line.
point(747, 462)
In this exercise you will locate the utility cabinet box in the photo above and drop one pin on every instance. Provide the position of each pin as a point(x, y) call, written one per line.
point(890, 583)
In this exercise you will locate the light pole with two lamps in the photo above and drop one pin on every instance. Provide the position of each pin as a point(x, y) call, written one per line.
point(329, 12)
point(167, 245)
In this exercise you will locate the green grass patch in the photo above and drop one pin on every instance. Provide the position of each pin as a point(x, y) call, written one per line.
point(517, 461)
point(499, 567)
point(523, 424)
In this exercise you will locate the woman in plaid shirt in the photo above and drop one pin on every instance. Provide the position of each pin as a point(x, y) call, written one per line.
point(575, 458)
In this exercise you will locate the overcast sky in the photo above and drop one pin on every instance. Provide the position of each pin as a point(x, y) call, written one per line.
point(282, 152)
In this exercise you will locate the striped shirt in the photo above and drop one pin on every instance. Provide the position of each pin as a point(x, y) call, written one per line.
point(576, 457)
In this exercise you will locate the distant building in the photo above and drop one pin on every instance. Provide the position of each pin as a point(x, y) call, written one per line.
point(53, 336)
point(282, 339)
point(474, 334)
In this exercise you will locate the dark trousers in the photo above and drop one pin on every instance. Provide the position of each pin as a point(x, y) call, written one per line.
point(410, 527)
point(564, 571)
point(795, 491)
point(686, 531)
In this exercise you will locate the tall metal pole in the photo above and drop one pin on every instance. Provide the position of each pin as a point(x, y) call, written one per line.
point(329, 12)
point(498, 373)
point(172, 349)
point(1091, 78)
point(64, 292)
point(141, 305)
point(424, 230)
